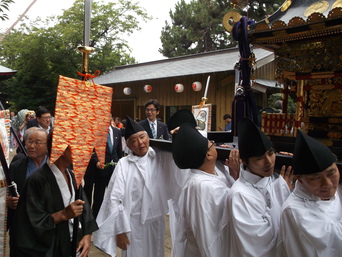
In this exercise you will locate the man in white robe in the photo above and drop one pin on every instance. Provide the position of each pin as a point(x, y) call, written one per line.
point(311, 219)
point(203, 219)
point(257, 196)
point(132, 214)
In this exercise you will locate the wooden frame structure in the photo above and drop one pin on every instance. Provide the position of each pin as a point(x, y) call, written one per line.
point(306, 39)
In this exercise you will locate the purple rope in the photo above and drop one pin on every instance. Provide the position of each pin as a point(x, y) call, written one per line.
point(240, 34)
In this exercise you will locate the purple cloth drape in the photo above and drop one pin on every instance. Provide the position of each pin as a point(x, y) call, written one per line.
point(240, 34)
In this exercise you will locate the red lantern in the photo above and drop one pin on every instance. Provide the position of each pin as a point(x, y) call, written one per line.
point(179, 88)
point(197, 86)
point(148, 88)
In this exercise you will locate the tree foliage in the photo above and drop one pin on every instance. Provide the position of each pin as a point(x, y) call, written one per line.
point(276, 97)
point(4, 8)
point(196, 27)
point(255, 9)
point(44, 49)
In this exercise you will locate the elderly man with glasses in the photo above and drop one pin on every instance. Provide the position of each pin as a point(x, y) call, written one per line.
point(36, 147)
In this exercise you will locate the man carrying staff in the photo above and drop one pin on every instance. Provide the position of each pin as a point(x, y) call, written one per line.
point(311, 219)
point(46, 210)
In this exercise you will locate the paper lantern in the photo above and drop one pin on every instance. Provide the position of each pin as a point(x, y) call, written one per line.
point(197, 86)
point(148, 88)
point(127, 91)
point(179, 88)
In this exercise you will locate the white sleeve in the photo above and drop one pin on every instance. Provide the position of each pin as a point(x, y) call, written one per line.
point(205, 204)
point(112, 218)
point(304, 232)
point(251, 230)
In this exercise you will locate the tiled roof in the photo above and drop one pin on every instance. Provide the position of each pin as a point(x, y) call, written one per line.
point(216, 61)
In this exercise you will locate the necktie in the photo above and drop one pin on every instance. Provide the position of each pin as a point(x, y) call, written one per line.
point(153, 130)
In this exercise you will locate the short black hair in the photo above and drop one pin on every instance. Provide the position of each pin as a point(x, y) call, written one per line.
point(246, 159)
point(41, 110)
point(226, 116)
point(154, 102)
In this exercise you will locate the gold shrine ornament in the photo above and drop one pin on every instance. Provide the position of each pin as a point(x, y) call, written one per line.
point(319, 6)
point(338, 3)
point(286, 5)
point(230, 16)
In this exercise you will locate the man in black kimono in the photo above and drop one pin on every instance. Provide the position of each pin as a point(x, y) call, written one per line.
point(97, 176)
point(46, 211)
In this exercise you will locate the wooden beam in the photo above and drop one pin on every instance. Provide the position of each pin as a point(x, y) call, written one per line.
point(223, 153)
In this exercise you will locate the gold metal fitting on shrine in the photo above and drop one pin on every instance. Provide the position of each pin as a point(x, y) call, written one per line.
point(230, 19)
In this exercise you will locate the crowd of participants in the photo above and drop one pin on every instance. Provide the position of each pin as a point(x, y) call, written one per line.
point(240, 207)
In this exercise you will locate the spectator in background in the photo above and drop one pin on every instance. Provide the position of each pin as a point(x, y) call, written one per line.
point(125, 149)
point(228, 119)
point(97, 175)
point(12, 138)
point(23, 127)
point(43, 119)
point(117, 122)
point(154, 128)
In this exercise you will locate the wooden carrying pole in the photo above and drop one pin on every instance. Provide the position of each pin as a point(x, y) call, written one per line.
point(86, 50)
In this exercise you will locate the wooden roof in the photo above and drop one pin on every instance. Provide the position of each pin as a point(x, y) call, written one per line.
point(203, 63)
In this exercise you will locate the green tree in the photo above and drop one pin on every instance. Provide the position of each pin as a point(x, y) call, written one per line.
point(255, 9)
point(3, 8)
point(274, 99)
point(196, 27)
point(42, 50)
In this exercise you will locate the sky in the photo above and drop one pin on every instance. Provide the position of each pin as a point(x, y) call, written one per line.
point(144, 43)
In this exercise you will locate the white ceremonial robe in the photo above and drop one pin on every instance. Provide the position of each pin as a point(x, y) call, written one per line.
point(202, 225)
point(310, 227)
point(179, 177)
point(135, 203)
point(254, 211)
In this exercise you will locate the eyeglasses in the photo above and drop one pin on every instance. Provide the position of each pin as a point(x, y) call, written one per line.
point(212, 144)
point(150, 110)
point(46, 117)
point(31, 142)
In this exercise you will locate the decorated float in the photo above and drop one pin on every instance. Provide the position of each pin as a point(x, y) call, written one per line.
point(306, 39)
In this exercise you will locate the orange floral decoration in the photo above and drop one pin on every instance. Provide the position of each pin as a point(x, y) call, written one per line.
point(82, 118)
